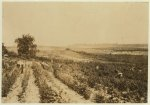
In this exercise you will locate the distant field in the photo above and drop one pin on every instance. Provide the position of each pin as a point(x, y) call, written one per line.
point(128, 50)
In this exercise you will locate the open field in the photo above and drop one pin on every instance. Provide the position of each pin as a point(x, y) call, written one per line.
point(85, 74)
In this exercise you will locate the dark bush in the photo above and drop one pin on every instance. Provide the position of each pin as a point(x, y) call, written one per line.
point(12, 54)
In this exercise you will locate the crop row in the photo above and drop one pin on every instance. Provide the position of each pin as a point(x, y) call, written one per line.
point(9, 75)
point(47, 95)
point(82, 76)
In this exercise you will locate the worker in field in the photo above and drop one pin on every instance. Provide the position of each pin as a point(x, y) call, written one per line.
point(21, 68)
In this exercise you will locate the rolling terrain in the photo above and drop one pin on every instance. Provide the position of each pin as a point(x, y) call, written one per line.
point(78, 74)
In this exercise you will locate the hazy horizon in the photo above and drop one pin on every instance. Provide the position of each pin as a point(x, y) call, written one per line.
point(63, 24)
point(77, 44)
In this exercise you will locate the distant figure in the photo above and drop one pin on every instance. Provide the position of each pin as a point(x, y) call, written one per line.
point(45, 65)
point(21, 69)
point(116, 71)
point(119, 74)
point(97, 67)
point(132, 69)
point(18, 65)
point(140, 71)
point(21, 65)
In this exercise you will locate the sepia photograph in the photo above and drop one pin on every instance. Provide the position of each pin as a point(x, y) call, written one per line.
point(74, 52)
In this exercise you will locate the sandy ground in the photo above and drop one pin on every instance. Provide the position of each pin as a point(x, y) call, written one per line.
point(32, 92)
point(65, 92)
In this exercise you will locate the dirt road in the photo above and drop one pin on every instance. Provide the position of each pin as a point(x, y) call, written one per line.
point(65, 92)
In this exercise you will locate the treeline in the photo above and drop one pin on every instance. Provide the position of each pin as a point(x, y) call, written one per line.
point(25, 47)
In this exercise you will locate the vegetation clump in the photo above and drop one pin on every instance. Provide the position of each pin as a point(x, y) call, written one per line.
point(26, 46)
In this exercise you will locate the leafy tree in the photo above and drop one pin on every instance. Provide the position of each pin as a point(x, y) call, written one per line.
point(4, 50)
point(26, 46)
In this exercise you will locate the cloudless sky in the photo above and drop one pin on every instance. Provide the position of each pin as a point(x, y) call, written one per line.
point(70, 23)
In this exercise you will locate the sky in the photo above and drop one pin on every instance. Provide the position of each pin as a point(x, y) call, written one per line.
point(62, 23)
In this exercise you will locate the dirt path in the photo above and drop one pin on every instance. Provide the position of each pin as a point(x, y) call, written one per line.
point(65, 92)
point(12, 96)
point(31, 94)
